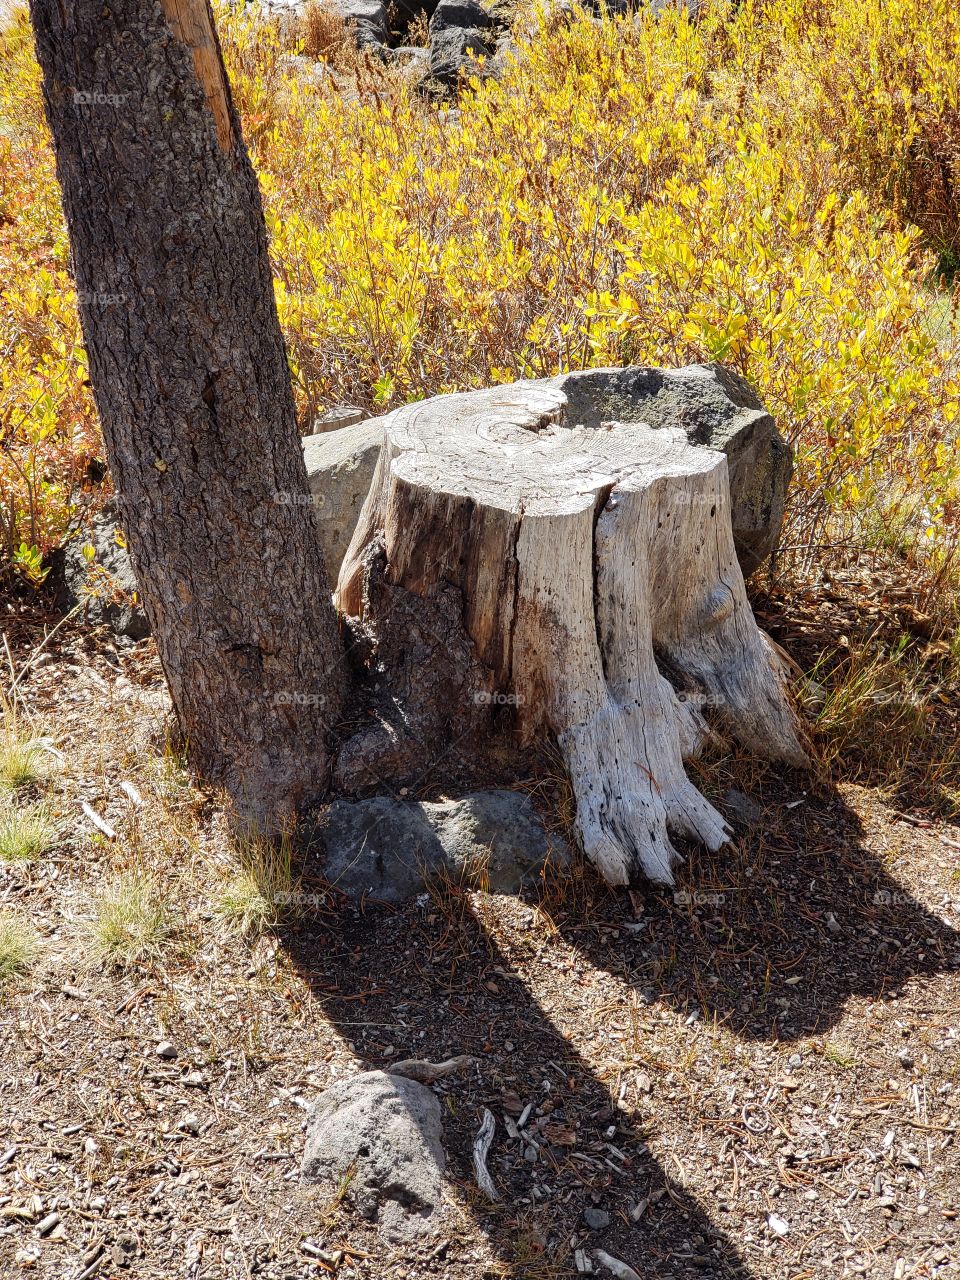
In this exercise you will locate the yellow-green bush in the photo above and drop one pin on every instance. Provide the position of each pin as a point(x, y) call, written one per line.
point(652, 190)
point(880, 81)
point(47, 426)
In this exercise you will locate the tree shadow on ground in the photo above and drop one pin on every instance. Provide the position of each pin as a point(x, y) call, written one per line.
point(771, 936)
point(767, 939)
point(429, 981)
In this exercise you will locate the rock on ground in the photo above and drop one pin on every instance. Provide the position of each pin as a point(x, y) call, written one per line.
point(105, 584)
point(383, 1133)
point(340, 467)
point(460, 31)
point(391, 850)
point(368, 18)
point(716, 408)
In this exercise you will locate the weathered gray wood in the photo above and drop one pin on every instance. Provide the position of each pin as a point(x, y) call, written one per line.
point(191, 383)
point(589, 561)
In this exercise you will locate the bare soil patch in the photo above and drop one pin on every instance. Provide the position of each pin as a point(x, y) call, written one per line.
point(752, 1076)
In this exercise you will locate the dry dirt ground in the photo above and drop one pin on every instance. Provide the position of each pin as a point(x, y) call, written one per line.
point(754, 1076)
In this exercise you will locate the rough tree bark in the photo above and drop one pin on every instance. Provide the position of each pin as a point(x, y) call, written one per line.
point(190, 378)
point(591, 564)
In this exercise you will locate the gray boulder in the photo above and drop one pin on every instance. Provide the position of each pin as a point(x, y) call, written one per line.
point(460, 31)
point(454, 52)
point(104, 584)
point(467, 15)
point(339, 470)
point(368, 18)
point(391, 850)
point(381, 1136)
point(716, 408)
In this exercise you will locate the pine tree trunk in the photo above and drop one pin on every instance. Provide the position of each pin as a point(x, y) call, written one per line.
point(190, 377)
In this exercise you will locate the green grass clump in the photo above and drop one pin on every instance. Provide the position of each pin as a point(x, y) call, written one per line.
point(21, 762)
point(25, 834)
point(131, 921)
point(262, 891)
point(18, 945)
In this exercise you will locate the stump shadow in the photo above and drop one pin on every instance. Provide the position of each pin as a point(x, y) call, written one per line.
point(772, 935)
point(429, 981)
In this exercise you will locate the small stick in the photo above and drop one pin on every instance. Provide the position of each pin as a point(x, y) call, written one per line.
point(428, 1072)
point(619, 1269)
point(481, 1149)
point(100, 823)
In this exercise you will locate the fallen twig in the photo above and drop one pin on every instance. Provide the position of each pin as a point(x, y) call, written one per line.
point(427, 1072)
point(481, 1149)
point(618, 1268)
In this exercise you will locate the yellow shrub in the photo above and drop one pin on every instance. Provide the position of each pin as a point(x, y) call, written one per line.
point(47, 427)
point(648, 190)
point(879, 80)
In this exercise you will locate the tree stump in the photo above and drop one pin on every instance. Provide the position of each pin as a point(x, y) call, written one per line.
point(601, 592)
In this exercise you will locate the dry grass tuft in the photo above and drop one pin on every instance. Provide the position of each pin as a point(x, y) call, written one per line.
point(324, 32)
point(25, 834)
point(22, 762)
point(18, 945)
point(263, 891)
point(132, 922)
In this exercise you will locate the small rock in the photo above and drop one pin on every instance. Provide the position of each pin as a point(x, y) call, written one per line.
point(741, 808)
point(779, 1226)
point(596, 1219)
point(189, 1124)
point(166, 1049)
point(391, 850)
point(341, 415)
point(382, 1133)
point(644, 1083)
point(832, 924)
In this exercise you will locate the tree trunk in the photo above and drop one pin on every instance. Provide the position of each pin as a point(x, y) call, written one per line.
point(191, 383)
point(592, 563)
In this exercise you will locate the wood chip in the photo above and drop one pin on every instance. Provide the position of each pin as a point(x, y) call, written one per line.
point(615, 1266)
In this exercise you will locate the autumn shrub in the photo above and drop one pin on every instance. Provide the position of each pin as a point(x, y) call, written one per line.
point(48, 431)
point(879, 81)
point(649, 190)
